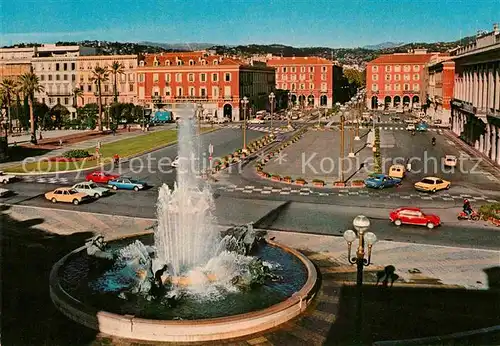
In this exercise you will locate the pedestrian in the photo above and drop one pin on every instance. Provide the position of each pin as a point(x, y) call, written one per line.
point(60, 142)
point(408, 166)
point(116, 159)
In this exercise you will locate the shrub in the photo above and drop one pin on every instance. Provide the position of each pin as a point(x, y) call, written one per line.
point(358, 181)
point(300, 180)
point(76, 154)
point(287, 178)
point(318, 181)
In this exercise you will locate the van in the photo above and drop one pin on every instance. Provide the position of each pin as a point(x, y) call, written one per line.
point(397, 171)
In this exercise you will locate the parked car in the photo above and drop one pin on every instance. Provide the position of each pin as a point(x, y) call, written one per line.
point(422, 127)
point(6, 178)
point(432, 184)
point(295, 117)
point(410, 127)
point(4, 192)
point(91, 189)
point(397, 171)
point(221, 120)
point(414, 216)
point(380, 181)
point(67, 195)
point(450, 160)
point(100, 177)
point(256, 121)
point(127, 184)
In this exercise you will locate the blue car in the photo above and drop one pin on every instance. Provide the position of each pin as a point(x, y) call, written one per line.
point(422, 127)
point(380, 181)
point(127, 184)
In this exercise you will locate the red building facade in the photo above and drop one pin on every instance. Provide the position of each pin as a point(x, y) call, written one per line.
point(310, 80)
point(167, 80)
point(439, 86)
point(397, 80)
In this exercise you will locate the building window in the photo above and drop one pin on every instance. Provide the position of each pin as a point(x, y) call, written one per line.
point(388, 68)
point(406, 68)
point(50, 77)
point(294, 70)
point(167, 77)
point(227, 91)
point(168, 91)
point(191, 62)
point(155, 77)
point(179, 91)
point(50, 100)
point(311, 69)
point(89, 87)
point(406, 87)
point(387, 77)
point(284, 69)
point(215, 77)
point(106, 88)
point(167, 62)
point(416, 87)
point(58, 100)
point(131, 87)
point(178, 77)
point(302, 77)
point(375, 69)
point(203, 77)
point(203, 92)
point(311, 77)
point(293, 77)
point(323, 69)
point(191, 77)
point(66, 100)
point(387, 87)
point(293, 86)
point(141, 63)
point(156, 63)
point(284, 77)
point(397, 86)
point(227, 76)
point(324, 87)
point(374, 87)
point(416, 68)
point(375, 77)
point(58, 77)
point(65, 77)
point(57, 67)
point(323, 76)
point(302, 86)
point(215, 92)
point(130, 77)
point(65, 67)
point(416, 76)
point(302, 69)
point(42, 77)
point(156, 92)
point(311, 86)
point(203, 62)
point(397, 68)
point(397, 77)
point(141, 77)
point(179, 62)
point(191, 91)
point(216, 62)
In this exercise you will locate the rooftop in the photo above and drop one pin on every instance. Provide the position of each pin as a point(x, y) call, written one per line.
point(292, 60)
point(403, 59)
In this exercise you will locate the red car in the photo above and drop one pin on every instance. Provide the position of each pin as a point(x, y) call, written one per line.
point(101, 177)
point(414, 216)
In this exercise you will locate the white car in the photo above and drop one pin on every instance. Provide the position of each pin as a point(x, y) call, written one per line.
point(256, 121)
point(175, 163)
point(6, 178)
point(450, 160)
point(410, 127)
point(4, 192)
point(295, 117)
point(91, 189)
point(221, 120)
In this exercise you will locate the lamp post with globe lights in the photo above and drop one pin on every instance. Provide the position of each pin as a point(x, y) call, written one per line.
point(244, 102)
point(361, 224)
point(271, 105)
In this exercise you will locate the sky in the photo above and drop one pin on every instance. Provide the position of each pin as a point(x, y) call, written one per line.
point(299, 23)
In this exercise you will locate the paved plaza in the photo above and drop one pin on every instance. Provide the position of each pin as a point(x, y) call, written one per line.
point(317, 156)
point(424, 271)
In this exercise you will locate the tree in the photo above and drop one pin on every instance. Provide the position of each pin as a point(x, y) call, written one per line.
point(99, 76)
point(41, 113)
point(30, 85)
point(354, 77)
point(8, 89)
point(88, 115)
point(77, 93)
point(59, 115)
point(116, 69)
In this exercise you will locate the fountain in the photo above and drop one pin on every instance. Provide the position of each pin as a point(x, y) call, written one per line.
point(189, 280)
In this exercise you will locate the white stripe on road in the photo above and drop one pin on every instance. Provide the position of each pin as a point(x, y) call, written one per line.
point(284, 192)
point(266, 192)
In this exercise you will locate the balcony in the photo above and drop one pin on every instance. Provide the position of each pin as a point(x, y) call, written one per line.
point(105, 93)
point(190, 98)
point(228, 98)
point(59, 93)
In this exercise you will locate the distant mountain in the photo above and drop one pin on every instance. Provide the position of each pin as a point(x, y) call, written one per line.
point(383, 45)
point(179, 46)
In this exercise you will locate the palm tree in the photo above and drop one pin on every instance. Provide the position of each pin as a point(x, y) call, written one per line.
point(77, 92)
point(30, 84)
point(99, 76)
point(116, 69)
point(8, 88)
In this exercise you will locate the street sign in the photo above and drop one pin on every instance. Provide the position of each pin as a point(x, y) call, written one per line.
point(211, 149)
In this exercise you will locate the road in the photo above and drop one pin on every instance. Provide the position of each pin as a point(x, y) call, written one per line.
point(308, 210)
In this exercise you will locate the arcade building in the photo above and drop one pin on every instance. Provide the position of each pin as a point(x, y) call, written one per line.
point(217, 83)
point(475, 108)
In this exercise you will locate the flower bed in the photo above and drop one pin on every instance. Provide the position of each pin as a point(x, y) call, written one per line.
point(276, 177)
point(287, 179)
point(318, 183)
point(357, 183)
point(300, 181)
point(71, 159)
point(339, 184)
point(491, 212)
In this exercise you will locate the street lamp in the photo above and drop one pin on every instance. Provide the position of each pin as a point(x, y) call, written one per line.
point(358, 118)
point(244, 102)
point(342, 120)
point(199, 111)
point(289, 108)
point(361, 224)
point(271, 103)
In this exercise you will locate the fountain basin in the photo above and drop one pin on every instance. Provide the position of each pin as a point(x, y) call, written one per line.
point(131, 325)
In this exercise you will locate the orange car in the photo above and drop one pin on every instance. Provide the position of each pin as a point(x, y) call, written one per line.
point(67, 195)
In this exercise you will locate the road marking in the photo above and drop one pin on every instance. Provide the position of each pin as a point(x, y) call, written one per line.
point(405, 197)
point(304, 193)
point(275, 190)
point(267, 188)
point(239, 189)
point(390, 128)
point(450, 142)
point(294, 191)
point(424, 197)
point(491, 201)
point(481, 198)
point(466, 196)
point(249, 187)
point(266, 192)
point(353, 193)
point(258, 189)
point(343, 191)
point(230, 190)
point(385, 128)
point(323, 194)
point(247, 191)
point(286, 189)
point(284, 193)
point(447, 199)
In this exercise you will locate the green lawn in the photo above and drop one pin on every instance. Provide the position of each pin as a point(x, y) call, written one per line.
point(124, 148)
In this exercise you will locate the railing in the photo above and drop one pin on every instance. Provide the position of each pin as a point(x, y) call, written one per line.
point(190, 98)
point(104, 93)
point(59, 93)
